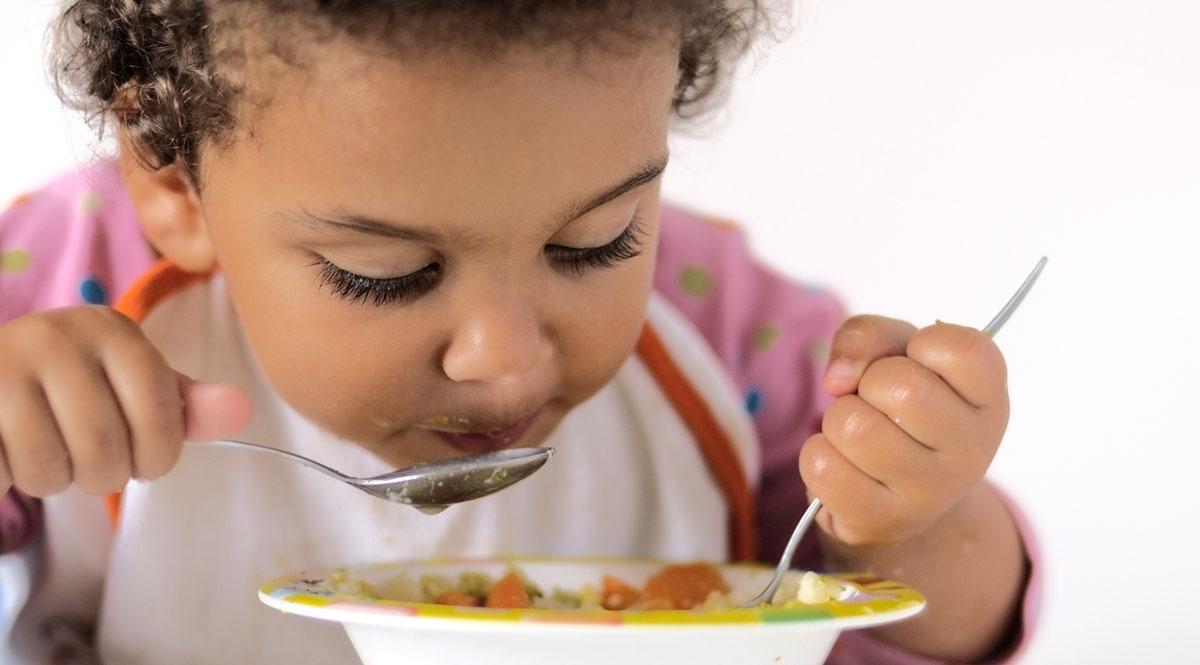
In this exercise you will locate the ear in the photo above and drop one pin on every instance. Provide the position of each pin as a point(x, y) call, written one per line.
point(169, 210)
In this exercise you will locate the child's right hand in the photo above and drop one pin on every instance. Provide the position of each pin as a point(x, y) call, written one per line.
point(85, 398)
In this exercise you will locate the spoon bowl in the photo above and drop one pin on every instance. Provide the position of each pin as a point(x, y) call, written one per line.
point(433, 486)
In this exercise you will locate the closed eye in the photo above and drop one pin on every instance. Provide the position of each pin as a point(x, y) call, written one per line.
point(578, 260)
point(378, 291)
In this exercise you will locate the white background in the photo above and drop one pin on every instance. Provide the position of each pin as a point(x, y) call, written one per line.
point(918, 157)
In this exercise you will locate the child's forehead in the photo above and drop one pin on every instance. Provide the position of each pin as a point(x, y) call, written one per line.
point(516, 67)
point(454, 136)
point(434, 108)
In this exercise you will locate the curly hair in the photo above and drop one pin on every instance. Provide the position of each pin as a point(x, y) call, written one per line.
point(163, 71)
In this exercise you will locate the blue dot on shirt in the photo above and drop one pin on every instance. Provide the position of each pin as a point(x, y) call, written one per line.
point(93, 292)
point(753, 401)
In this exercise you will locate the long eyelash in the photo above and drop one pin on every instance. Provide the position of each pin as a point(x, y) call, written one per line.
point(377, 291)
point(578, 260)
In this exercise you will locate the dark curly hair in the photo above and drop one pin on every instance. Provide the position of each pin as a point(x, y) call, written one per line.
point(165, 71)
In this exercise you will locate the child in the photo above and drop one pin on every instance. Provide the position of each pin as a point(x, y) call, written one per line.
point(393, 232)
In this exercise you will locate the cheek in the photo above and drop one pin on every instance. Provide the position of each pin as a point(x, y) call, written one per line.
point(352, 386)
point(601, 327)
point(334, 362)
point(346, 367)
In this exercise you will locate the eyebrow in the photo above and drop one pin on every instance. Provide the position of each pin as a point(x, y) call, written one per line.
point(370, 226)
point(640, 177)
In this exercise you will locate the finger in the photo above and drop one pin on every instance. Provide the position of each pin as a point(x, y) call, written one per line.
point(922, 404)
point(37, 456)
point(862, 509)
point(149, 395)
point(859, 342)
point(214, 410)
point(967, 359)
point(875, 445)
point(92, 425)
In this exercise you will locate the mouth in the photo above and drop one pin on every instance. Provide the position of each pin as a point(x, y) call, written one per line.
point(479, 441)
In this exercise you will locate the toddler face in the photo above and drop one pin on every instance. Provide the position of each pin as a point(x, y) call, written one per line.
point(443, 255)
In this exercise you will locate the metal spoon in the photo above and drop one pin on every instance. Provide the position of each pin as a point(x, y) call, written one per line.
point(431, 487)
point(810, 514)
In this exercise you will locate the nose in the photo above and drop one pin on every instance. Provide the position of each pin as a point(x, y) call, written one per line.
point(499, 342)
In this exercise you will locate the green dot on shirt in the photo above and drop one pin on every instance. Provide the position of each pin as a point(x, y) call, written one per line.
point(765, 337)
point(696, 281)
point(15, 260)
point(90, 203)
point(819, 350)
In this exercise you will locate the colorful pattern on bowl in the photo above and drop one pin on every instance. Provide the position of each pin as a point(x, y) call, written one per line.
point(869, 596)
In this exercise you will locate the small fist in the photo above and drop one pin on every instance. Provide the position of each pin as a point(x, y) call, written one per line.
point(86, 399)
point(917, 418)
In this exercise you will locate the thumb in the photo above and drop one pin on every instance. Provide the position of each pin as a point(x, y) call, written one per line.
point(213, 410)
point(860, 341)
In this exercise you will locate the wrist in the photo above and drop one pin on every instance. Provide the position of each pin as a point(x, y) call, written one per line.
point(867, 558)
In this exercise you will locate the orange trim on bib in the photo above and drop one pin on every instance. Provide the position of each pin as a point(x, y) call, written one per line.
point(159, 281)
point(714, 443)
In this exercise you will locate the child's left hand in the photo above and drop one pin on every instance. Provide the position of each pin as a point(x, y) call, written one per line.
point(918, 417)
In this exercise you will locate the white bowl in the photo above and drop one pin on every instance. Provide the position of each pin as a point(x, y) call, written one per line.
point(390, 632)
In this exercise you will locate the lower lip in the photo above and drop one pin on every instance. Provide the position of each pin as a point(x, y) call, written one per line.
point(490, 442)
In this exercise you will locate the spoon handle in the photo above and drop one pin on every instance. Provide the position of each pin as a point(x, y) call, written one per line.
point(785, 561)
point(246, 445)
point(810, 514)
point(1001, 317)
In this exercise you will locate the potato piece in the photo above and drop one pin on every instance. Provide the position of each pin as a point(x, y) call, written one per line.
point(400, 587)
point(589, 598)
point(813, 590)
point(433, 586)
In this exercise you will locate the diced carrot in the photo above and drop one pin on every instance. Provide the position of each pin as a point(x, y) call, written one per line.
point(456, 598)
point(508, 592)
point(617, 595)
point(685, 586)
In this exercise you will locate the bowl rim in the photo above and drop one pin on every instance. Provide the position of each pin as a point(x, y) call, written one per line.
point(307, 593)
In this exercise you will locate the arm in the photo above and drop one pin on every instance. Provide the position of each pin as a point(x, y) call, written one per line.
point(78, 242)
point(959, 548)
point(971, 566)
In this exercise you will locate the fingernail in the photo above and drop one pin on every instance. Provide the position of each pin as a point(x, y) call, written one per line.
point(839, 371)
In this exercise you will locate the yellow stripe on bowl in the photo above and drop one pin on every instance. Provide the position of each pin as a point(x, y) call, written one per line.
point(686, 617)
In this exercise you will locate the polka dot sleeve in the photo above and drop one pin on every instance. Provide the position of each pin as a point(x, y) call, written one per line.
point(74, 242)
